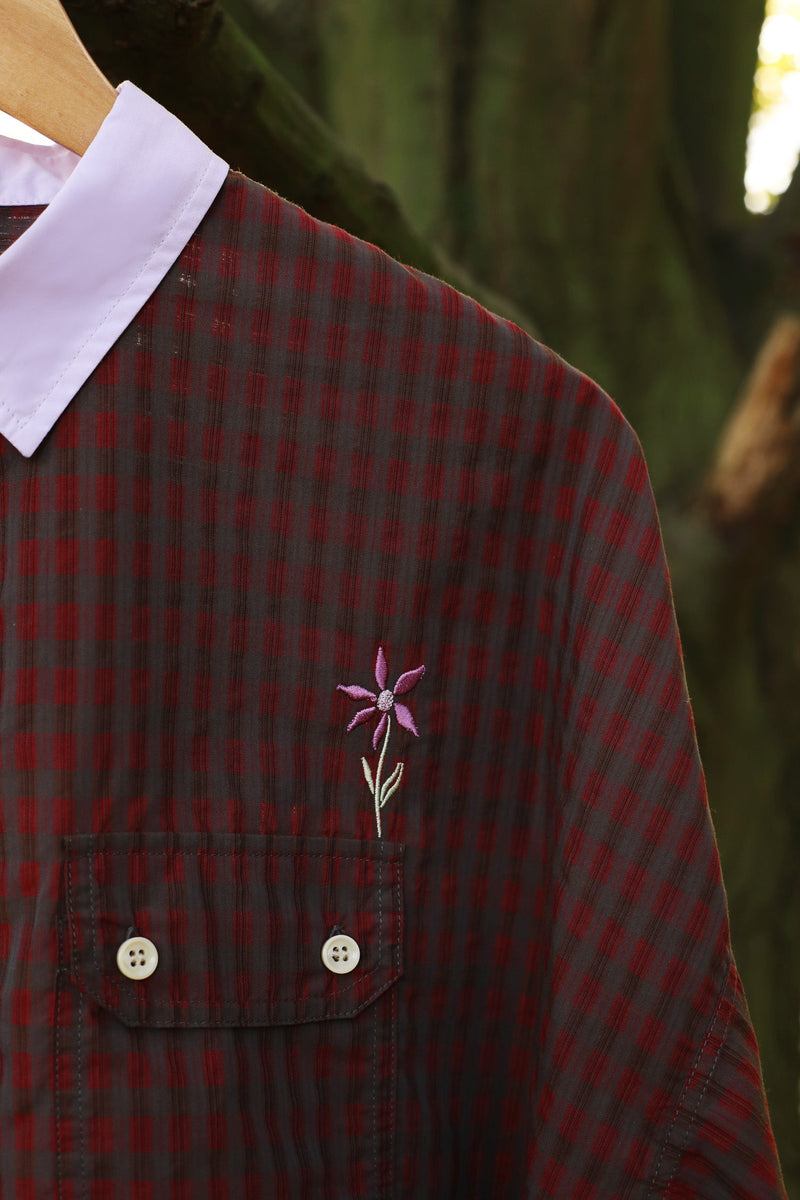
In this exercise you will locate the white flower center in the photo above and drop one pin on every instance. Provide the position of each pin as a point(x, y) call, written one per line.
point(384, 701)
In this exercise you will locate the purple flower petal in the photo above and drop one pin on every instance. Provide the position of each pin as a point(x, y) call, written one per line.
point(404, 717)
point(355, 692)
point(408, 680)
point(361, 717)
point(380, 729)
point(381, 669)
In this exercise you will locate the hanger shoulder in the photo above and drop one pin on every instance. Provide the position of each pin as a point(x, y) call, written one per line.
point(47, 79)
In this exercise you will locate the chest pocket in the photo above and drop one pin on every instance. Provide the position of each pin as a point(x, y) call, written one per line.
point(244, 1058)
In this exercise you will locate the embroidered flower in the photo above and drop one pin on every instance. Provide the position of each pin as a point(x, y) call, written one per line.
point(383, 703)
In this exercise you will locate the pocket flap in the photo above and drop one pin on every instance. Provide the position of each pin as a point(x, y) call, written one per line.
point(238, 920)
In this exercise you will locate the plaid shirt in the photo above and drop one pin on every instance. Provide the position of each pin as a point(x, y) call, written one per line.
point(355, 841)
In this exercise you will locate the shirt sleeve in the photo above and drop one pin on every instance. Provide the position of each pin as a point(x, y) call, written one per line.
point(719, 1141)
point(649, 1081)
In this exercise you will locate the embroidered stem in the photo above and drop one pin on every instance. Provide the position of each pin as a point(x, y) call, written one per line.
point(377, 792)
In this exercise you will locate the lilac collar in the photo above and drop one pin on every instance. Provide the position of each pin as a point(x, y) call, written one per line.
point(116, 220)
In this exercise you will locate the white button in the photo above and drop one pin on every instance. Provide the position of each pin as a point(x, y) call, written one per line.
point(137, 958)
point(341, 953)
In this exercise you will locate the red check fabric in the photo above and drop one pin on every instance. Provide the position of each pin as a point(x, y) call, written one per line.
point(302, 473)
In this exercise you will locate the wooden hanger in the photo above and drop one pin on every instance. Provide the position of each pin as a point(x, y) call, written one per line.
point(47, 79)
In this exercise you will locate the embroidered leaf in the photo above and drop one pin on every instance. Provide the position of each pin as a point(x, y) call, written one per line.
point(368, 776)
point(391, 784)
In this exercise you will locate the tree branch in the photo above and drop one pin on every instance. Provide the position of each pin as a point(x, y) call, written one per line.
point(754, 481)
